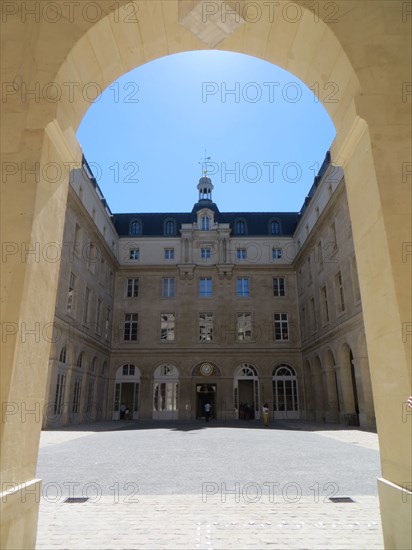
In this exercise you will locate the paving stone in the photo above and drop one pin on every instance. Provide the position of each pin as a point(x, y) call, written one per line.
point(163, 520)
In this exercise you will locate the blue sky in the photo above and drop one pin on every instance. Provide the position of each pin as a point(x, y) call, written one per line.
point(264, 130)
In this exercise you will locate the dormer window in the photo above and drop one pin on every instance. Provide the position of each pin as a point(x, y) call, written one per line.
point(205, 223)
point(275, 227)
point(170, 228)
point(136, 228)
point(240, 227)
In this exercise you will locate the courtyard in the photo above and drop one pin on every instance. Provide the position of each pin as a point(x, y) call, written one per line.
point(194, 485)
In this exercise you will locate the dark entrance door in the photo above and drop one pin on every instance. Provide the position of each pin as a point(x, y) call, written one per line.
point(246, 400)
point(205, 393)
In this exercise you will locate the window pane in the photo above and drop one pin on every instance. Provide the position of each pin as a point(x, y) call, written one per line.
point(206, 287)
point(168, 287)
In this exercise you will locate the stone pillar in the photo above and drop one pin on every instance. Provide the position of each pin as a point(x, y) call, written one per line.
point(345, 389)
point(187, 399)
point(31, 283)
point(146, 398)
point(266, 394)
point(367, 419)
point(332, 409)
point(317, 390)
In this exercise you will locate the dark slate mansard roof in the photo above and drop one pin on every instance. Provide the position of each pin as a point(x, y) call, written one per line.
point(257, 223)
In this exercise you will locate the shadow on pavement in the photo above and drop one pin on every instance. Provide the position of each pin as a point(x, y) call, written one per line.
point(186, 426)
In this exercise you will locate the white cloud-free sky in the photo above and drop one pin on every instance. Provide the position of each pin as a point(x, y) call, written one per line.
point(265, 131)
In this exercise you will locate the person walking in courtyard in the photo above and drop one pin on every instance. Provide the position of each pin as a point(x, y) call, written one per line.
point(208, 410)
point(265, 414)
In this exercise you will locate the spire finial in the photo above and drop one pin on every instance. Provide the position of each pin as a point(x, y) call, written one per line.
point(203, 162)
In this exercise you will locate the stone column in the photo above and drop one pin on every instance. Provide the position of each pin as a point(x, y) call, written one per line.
point(332, 409)
point(345, 389)
point(146, 398)
point(367, 419)
point(317, 390)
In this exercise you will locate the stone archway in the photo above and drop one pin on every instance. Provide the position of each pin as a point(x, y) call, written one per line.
point(370, 68)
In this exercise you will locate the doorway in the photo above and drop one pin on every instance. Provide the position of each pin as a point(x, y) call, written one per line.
point(205, 393)
point(126, 393)
point(246, 392)
point(246, 400)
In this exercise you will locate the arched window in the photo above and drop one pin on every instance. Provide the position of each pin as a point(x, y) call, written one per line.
point(63, 355)
point(135, 228)
point(166, 392)
point(205, 223)
point(275, 227)
point(128, 370)
point(170, 227)
point(285, 392)
point(80, 360)
point(126, 393)
point(246, 392)
point(240, 227)
point(247, 371)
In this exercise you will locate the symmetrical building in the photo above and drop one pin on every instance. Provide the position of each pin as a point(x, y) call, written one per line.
point(158, 314)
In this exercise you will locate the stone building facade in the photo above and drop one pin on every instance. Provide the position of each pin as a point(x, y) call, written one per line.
point(159, 314)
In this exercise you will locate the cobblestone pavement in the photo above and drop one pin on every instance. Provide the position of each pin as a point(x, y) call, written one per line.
point(245, 515)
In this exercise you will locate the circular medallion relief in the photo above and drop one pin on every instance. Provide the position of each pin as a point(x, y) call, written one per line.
point(206, 369)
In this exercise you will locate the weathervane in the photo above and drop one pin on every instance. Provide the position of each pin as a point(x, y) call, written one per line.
point(203, 162)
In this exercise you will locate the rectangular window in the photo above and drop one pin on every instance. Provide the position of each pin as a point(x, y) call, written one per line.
point(205, 287)
point(130, 326)
point(303, 322)
point(281, 326)
point(98, 314)
point(59, 396)
point(102, 271)
point(133, 254)
point(241, 254)
point(312, 313)
point(279, 286)
point(276, 253)
point(76, 395)
point(86, 305)
point(111, 282)
point(205, 327)
point(168, 290)
point(340, 295)
point(77, 245)
point(244, 327)
point(309, 268)
point(333, 238)
point(107, 324)
point(132, 288)
point(242, 286)
point(92, 259)
point(325, 307)
point(205, 253)
point(169, 253)
point(90, 395)
point(320, 255)
point(71, 293)
point(167, 327)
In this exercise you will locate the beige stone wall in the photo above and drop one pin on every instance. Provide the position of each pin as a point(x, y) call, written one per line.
point(327, 275)
point(85, 254)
